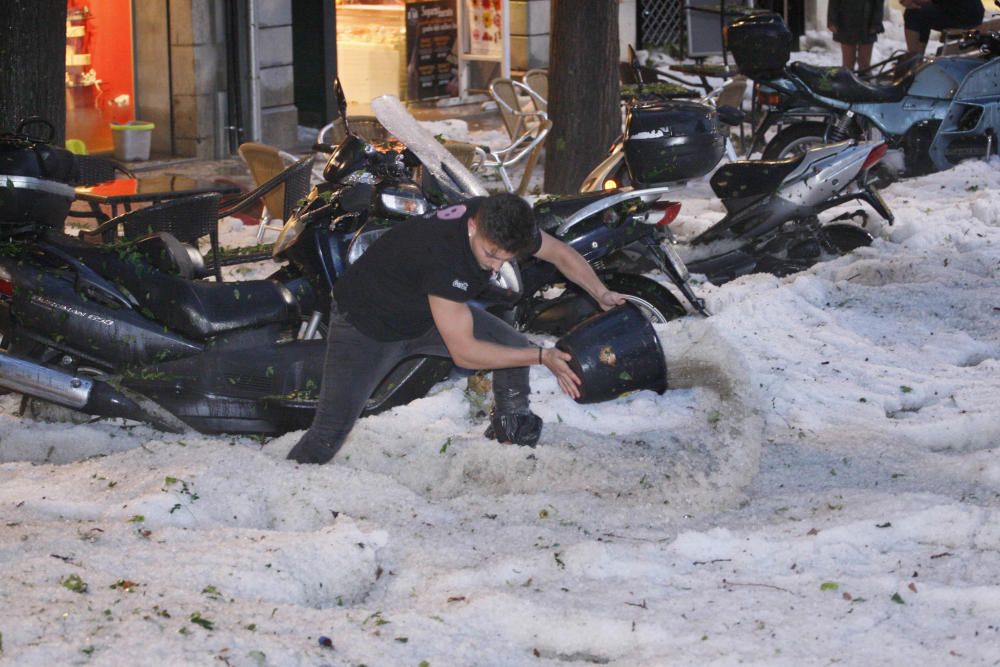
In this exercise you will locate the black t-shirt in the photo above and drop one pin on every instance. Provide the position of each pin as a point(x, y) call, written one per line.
point(384, 294)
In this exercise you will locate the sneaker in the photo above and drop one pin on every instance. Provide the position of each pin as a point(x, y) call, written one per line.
point(521, 430)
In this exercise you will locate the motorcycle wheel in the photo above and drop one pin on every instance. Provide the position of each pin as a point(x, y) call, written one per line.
point(795, 140)
point(656, 302)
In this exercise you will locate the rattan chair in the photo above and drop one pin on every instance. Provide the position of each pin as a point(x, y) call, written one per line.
point(94, 170)
point(367, 127)
point(538, 81)
point(472, 156)
point(188, 219)
point(527, 130)
point(266, 162)
point(295, 179)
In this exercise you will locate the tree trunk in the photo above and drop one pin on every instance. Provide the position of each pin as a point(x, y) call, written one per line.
point(583, 90)
point(33, 63)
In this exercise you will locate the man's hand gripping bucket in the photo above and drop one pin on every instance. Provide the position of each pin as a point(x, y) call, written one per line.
point(614, 352)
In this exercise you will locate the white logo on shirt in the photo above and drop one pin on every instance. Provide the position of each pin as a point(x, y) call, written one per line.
point(460, 284)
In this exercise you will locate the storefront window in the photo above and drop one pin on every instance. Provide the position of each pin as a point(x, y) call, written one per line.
point(99, 79)
point(371, 50)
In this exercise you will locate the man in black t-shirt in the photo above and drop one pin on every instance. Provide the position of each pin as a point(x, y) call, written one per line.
point(407, 295)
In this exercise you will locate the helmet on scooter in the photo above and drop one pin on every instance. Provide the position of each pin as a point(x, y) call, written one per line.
point(671, 141)
point(761, 45)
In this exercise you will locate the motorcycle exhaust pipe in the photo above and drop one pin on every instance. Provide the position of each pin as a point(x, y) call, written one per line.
point(88, 396)
point(47, 384)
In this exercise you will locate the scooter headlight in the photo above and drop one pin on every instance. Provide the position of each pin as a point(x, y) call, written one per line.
point(363, 241)
point(289, 235)
point(402, 199)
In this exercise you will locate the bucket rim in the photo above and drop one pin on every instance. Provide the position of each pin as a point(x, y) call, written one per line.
point(134, 125)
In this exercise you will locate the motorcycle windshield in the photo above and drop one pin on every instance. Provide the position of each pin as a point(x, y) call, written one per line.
point(455, 180)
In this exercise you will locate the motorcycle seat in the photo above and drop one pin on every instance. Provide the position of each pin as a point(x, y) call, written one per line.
point(747, 178)
point(192, 308)
point(550, 214)
point(840, 83)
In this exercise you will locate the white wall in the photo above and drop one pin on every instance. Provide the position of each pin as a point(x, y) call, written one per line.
point(628, 31)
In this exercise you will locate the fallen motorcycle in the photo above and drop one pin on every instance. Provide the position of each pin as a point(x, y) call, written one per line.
point(942, 111)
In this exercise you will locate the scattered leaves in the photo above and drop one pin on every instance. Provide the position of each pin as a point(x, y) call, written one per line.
point(74, 583)
point(124, 585)
point(897, 598)
point(377, 619)
point(212, 592)
point(906, 390)
point(198, 619)
point(829, 586)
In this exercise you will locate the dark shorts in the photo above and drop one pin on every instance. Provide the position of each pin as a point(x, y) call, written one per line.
point(957, 14)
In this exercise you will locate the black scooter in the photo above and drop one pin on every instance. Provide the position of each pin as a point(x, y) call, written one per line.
point(773, 208)
point(113, 331)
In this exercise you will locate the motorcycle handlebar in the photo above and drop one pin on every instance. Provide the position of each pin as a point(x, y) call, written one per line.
point(987, 42)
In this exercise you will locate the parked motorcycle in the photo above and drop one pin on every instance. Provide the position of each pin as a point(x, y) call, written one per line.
point(773, 208)
point(112, 331)
point(598, 225)
point(944, 110)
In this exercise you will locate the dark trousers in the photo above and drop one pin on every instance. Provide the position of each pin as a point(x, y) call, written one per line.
point(943, 16)
point(356, 363)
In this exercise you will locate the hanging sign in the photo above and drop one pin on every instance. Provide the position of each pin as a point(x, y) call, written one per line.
point(431, 61)
point(485, 27)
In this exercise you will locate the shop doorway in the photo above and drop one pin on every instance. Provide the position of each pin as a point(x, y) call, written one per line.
point(314, 60)
point(100, 82)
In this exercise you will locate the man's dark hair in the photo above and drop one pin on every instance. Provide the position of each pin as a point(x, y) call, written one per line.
point(508, 221)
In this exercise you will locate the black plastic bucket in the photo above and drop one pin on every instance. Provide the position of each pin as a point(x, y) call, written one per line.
point(615, 352)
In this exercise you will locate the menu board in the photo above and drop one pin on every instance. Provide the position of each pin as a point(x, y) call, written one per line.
point(431, 59)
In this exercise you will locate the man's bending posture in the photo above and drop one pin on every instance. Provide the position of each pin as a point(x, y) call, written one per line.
point(407, 296)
